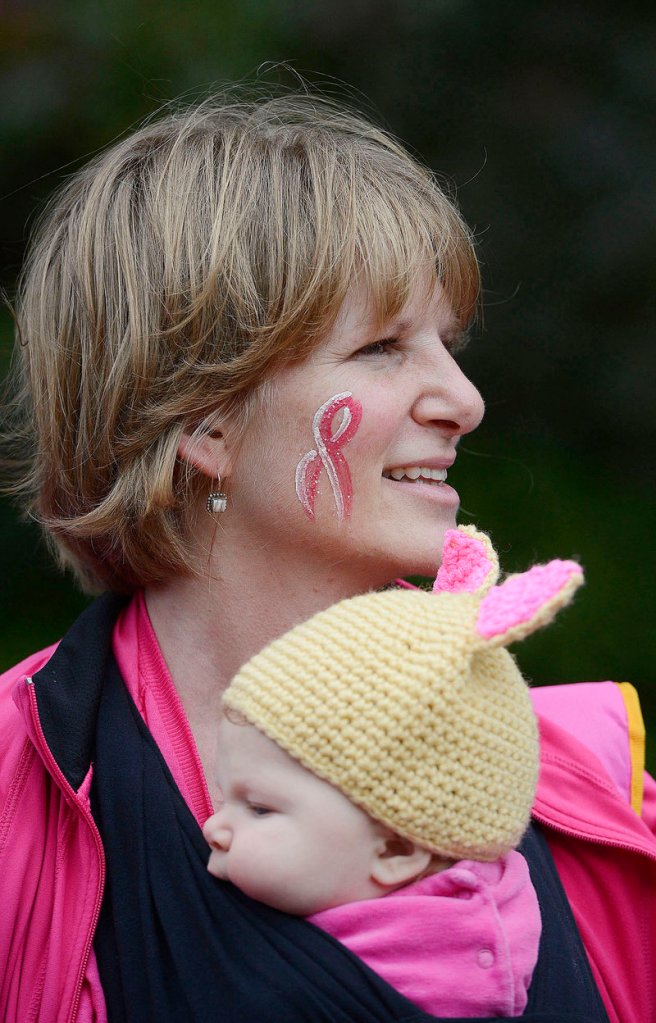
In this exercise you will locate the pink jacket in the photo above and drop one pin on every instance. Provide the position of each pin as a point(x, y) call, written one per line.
point(590, 792)
point(52, 863)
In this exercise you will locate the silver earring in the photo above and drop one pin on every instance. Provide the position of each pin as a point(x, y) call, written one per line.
point(217, 501)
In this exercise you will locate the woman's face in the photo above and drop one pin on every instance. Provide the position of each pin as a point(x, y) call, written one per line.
point(344, 464)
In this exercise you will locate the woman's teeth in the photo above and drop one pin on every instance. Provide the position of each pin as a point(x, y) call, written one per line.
point(415, 472)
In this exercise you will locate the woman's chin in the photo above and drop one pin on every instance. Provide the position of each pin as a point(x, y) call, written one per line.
point(422, 559)
point(420, 563)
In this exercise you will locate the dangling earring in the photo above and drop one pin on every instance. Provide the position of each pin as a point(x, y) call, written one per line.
point(217, 501)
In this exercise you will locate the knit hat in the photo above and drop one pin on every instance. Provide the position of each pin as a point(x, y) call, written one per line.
point(407, 701)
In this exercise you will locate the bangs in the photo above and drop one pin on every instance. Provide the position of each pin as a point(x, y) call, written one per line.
point(268, 229)
point(416, 238)
point(371, 216)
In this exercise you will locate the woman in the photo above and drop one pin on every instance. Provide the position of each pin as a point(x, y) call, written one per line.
point(240, 404)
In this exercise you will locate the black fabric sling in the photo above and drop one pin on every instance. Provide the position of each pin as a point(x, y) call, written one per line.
point(173, 944)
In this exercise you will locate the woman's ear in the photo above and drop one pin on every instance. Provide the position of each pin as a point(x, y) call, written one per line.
point(398, 861)
point(210, 453)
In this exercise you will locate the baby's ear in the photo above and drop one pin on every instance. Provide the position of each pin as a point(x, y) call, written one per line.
point(526, 602)
point(469, 562)
point(398, 861)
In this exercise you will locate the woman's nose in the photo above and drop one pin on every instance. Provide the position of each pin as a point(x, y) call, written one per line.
point(449, 398)
point(216, 832)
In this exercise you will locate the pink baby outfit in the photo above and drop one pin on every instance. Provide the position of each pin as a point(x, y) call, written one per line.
point(463, 942)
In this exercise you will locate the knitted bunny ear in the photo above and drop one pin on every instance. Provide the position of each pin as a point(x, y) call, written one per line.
point(469, 562)
point(526, 602)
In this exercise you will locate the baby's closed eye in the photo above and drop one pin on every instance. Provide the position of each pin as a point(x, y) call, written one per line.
point(259, 810)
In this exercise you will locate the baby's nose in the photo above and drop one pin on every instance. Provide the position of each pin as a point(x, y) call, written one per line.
point(216, 832)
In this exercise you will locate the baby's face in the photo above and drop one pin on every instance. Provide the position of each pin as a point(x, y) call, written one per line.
point(284, 836)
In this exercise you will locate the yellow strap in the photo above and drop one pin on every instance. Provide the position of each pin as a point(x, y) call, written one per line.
point(636, 742)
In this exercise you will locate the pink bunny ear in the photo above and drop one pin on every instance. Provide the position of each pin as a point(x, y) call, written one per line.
point(526, 602)
point(469, 562)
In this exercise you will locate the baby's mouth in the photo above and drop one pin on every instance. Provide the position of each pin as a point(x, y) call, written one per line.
point(413, 473)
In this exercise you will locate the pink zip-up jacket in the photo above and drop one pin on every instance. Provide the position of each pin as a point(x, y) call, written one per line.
point(52, 865)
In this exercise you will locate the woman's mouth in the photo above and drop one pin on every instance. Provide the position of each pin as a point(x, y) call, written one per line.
point(413, 473)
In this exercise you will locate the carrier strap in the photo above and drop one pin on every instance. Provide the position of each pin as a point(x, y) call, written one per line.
point(173, 943)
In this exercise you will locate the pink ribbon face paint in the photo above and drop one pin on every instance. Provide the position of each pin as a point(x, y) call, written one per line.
point(328, 454)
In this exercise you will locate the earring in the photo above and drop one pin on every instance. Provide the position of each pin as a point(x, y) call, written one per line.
point(217, 501)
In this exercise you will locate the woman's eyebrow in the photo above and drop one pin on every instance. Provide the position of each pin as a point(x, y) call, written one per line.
point(405, 326)
point(398, 326)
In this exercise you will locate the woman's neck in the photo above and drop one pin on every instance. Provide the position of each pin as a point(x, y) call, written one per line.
point(208, 627)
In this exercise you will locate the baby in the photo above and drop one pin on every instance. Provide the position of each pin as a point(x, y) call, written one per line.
point(387, 747)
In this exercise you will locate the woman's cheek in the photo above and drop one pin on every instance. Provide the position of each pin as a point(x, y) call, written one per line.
point(333, 425)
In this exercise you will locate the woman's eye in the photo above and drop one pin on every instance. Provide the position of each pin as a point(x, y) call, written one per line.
point(378, 347)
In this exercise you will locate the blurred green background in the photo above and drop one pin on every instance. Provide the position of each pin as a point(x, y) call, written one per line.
point(542, 116)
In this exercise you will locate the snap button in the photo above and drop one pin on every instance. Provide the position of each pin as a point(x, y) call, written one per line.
point(485, 958)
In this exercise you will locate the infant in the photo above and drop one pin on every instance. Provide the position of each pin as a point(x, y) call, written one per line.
point(387, 747)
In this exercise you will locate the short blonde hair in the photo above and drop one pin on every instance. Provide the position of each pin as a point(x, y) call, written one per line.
point(171, 277)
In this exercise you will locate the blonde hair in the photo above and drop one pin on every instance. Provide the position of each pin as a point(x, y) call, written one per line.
point(171, 277)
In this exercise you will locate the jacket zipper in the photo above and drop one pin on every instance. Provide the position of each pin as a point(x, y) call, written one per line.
point(56, 773)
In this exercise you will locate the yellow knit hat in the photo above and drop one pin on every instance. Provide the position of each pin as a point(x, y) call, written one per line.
point(407, 702)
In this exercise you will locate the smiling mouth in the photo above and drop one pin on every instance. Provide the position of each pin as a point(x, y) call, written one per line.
point(417, 473)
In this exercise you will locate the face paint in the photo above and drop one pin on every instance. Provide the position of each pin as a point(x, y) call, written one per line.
point(328, 454)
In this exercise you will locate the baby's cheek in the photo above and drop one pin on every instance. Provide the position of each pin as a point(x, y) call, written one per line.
point(251, 867)
point(272, 887)
point(272, 875)
point(216, 865)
